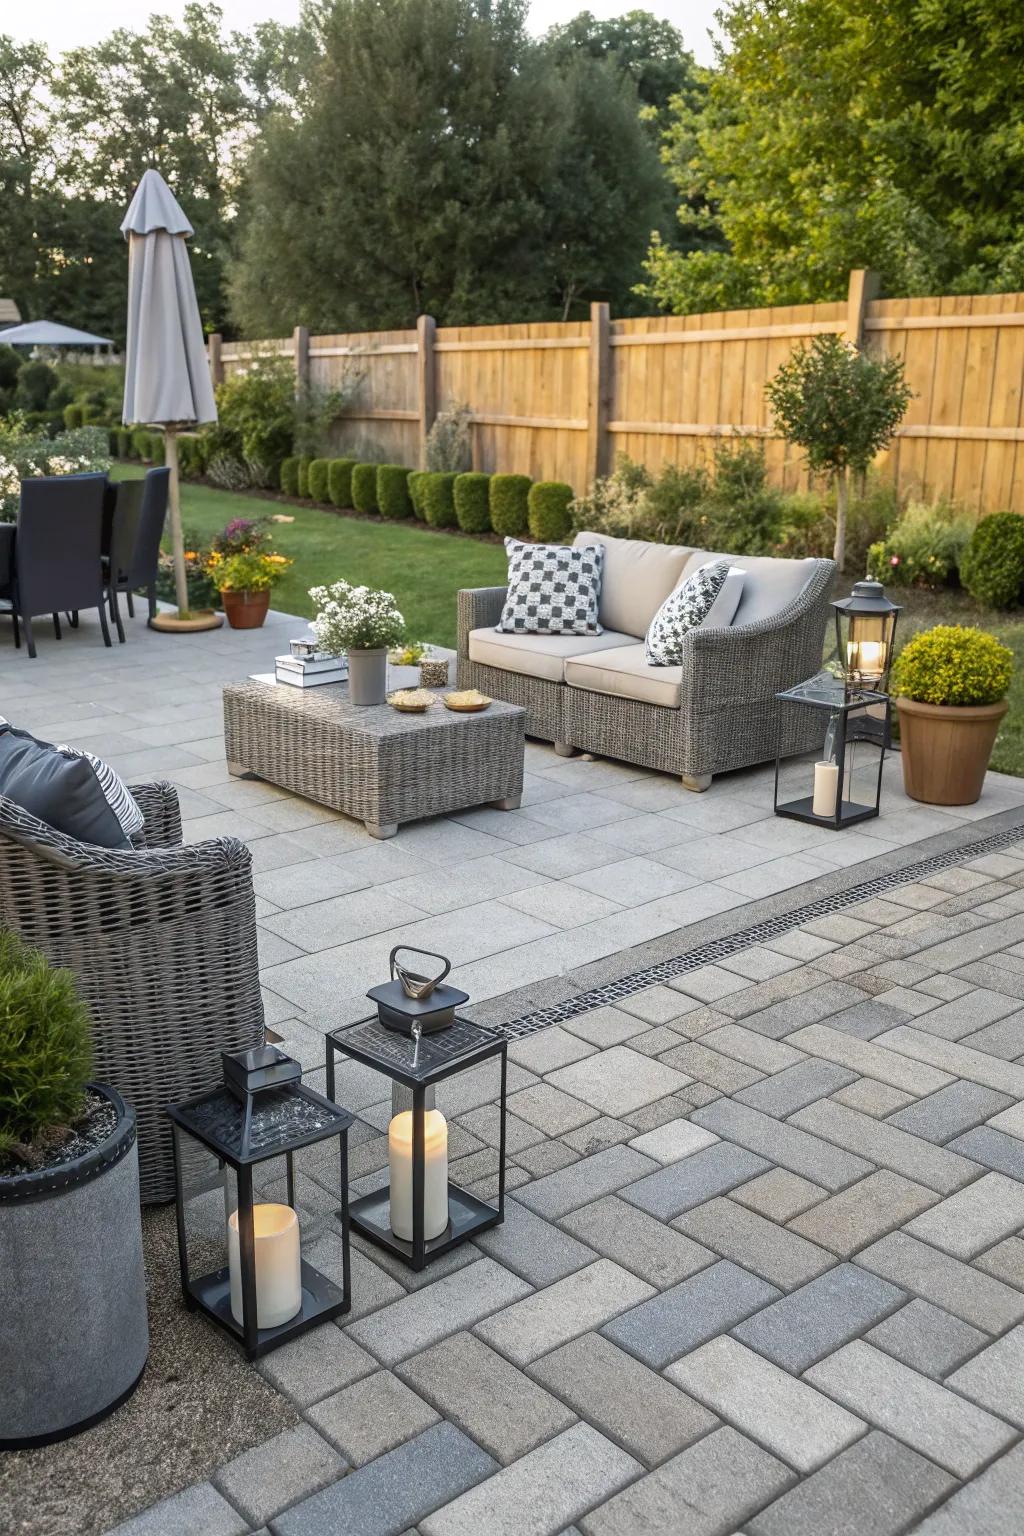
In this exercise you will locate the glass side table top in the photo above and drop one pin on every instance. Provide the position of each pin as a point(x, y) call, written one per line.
point(826, 691)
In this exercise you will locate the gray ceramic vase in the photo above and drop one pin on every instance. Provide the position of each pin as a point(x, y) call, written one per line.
point(368, 676)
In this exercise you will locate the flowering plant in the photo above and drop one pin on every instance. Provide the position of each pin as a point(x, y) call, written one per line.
point(202, 590)
point(252, 570)
point(24, 454)
point(241, 535)
point(354, 618)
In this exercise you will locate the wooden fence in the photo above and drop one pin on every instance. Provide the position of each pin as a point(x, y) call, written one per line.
point(560, 401)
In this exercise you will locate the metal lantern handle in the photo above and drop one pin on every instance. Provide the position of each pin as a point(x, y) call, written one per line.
point(413, 984)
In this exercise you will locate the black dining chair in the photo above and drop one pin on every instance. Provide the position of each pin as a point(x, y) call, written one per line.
point(57, 551)
point(137, 527)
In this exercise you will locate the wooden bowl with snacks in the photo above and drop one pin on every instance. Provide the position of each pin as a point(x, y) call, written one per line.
point(466, 701)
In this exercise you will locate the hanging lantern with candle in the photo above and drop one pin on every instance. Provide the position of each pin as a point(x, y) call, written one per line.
point(865, 634)
point(418, 1040)
point(238, 1155)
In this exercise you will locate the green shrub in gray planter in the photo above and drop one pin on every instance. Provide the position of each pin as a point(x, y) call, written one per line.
point(509, 509)
point(439, 499)
point(290, 476)
point(74, 1334)
point(318, 473)
point(339, 482)
point(393, 491)
point(416, 480)
point(364, 487)
point(472, 502)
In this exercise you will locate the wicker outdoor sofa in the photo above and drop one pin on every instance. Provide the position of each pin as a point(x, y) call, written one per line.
point(715, 712)
point(162, 941)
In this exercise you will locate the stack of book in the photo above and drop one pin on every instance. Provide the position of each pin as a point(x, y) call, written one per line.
point(309, 671)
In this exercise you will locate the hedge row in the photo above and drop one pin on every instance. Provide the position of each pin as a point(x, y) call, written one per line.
point(512, 505)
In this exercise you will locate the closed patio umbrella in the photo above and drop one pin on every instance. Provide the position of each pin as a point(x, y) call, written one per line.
point(167, 375)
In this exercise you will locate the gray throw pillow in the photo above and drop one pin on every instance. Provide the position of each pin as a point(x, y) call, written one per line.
point(552, 590)
point(70, 790)
point(684, 609)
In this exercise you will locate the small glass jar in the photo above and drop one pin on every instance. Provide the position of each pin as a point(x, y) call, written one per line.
point(433, 673)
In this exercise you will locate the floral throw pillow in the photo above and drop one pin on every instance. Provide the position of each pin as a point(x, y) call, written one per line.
point(684, 609)
point(552, 590)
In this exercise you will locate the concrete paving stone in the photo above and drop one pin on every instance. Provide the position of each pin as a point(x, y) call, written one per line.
point(486, 1397)
point(806, 1007)
point(776, 1254)
point(542, 1492)
point(547, 1049)
point(788, 1417)
point(598, 1135)
point(915, 1159)
point(962, 1289)
point(869, 1058)
point(631, 1404)
point(816, 1319)
point(673, 1140)
point(648, 1248)
point(794, 1087)
point(199, 1508)
point(966, 1223)
point(1001, 1039)
point(981, 1508)
point(1010, 1121)
point(779, 1195)
point(1005, 1261)
point(968, 1013)
point(927, 1339)
point(395, 1492)
point(850, 960)
point(950, 954)
point(700, 1176)
point(263, 1481)
point(699, 1061)
point(398, 1271)
point(752, 1049)
point(913, 1408)
point(704, 1491)
point(994, 1379)
point(689, 1314)
point(764, 997)
point(584, 1300)
point(655, 1042)
point(864, 1212)
point(672, 1107)
point(710, 982)
point(457, 1301)
point(605, 1026)
point(546, 1157)
point(585, 1180)
point(656, 1005)
point(782, 1143)
point(948, 1113)
point(533, 1248)
point(799, 944)
point(371, 1417)
point(618, 1080)
point(316, 1364)
point(759, 963)
point(992, 1148)
point(958, 1059)
point(877, 1485)
point(549, 1110)
point(907, 999)
point(696, 1095)
point(872, 1097)
point(838, 927)
point(946, 987)
point(372, 1286)
point(632, 882)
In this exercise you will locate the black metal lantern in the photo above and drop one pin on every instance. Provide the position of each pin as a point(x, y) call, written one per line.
point(240, 1228)
point(865, 634)
point(420, 1214)
point(845, 785)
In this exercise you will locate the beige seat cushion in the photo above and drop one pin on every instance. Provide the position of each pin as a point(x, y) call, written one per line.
point(624, 674)
point(535, 655)
point(769, 585)
point(637, 578)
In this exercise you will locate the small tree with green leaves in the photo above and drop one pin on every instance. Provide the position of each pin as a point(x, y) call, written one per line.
point(841, 406)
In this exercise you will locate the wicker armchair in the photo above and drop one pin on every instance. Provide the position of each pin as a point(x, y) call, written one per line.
point(162, 940)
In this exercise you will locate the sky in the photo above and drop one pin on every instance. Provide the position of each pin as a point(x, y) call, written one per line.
point(63, 24)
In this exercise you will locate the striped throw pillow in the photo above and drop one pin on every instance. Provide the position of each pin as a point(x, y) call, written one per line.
point(115, 791)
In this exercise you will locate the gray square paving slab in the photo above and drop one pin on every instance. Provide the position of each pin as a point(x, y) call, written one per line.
point(199, 1508)
point(689, 1314)
point(980, 1509)
point(873, 1098)
point(262, 1482)
point(1005, 1261)
point(994, 1379)
point(675, 1139)
point(582, 1301)
point(535, 1249)
point(974, 1219)
point(617, 1080)
point(927, 1339)
point(813, 1321)
point(316, 1364)
point(371, 1417)
point(779, 1195)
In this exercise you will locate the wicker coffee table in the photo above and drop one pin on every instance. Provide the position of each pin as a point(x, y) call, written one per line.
point(373, 763)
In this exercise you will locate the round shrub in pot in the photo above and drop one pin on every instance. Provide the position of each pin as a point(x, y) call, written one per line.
point(339, 482)
point(992, 566)
point(951, 684)
point(510, 513)
point(439, 499)
point(393, 491)
point(473, 502)
point(74, 1334)
point(548, 511)
point(364, 487)
point(318, 472)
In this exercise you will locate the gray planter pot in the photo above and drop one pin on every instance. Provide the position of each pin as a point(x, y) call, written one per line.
point(368, 676)
point(74, 1334)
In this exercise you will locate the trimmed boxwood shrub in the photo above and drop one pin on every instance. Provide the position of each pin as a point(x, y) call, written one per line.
point(472, 502)
point(548, 505)
point(318, 471)
point(339, 482)
point(953, 664)
point(124, 443)
point(141, 446)
point(992, 567)
point(393, 491)
point(510, 513)
point(415, 483)
point(157, 452)
point(439, 499)
point(74, 416)
point(304, 476)
point(364, 487)
point(290, 476)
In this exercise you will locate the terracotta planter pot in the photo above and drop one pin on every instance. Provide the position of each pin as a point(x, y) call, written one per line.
point(246, 610)
point(945, 749)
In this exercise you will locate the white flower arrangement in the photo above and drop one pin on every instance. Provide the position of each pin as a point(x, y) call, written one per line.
point(24, 455)
point(352, 618)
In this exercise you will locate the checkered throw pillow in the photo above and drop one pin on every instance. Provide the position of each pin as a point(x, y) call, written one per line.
point(684, 609)
point(552, 590)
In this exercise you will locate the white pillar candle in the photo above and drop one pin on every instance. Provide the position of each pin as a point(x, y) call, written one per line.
point(826, 783)
point(435, 1173)
point(278, 1265)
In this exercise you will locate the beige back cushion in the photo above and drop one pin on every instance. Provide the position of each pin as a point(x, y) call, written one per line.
point(769, 585)
point(637, 578)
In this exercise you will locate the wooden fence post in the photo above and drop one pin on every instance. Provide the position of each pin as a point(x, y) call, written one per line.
point(216, 361)
point(863, 288)
point(599, 390)
point(426, 381)
point(300, 347)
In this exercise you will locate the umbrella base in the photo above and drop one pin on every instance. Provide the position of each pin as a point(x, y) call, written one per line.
point(170, 623)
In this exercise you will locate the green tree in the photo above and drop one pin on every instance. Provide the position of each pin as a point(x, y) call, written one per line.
point(837, 136)
point(26, 156)
point(646, 48)
point(842, 407)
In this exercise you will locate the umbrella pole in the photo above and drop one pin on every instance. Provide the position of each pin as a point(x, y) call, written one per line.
point(174, 507)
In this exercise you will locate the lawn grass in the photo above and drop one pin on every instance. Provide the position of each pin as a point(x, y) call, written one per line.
point(422, 568)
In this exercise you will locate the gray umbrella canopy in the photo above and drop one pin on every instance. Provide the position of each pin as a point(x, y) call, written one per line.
point(47, 333)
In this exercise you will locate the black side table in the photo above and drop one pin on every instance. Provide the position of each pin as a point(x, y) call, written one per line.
point(418, 1067)
point(856, 717)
